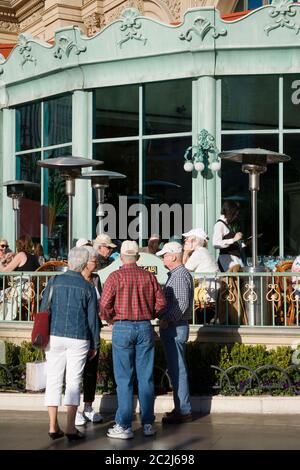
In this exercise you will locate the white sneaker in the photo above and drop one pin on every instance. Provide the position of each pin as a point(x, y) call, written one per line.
point(79, 419)
point(118, 432)
point(92, 415)
point(149, 430)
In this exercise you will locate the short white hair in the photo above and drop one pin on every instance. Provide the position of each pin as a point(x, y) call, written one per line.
point(78, 258)
point(198, 242)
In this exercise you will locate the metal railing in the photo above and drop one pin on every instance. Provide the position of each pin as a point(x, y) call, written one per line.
point(21, 294)
point(229, 299)
point(248, 299)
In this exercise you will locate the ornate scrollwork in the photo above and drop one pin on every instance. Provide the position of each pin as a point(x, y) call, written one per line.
point(65, 46)
point(250, 295)
point(201, 27)
point(282, 10)
point(294, 296)
point(228, 294)
point(24, 49)
point(200, 152)
point(278, 378)
point(273, 294)
point(10, 377)
point(131, 26)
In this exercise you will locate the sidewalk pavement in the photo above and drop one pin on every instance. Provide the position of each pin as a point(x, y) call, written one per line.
point(23, 430)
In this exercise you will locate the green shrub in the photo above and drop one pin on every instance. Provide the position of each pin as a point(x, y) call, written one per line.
point(200, 357)
point(30, 354)
point(258, 358)
point(105, 375)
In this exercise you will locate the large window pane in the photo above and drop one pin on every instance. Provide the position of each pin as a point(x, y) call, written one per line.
point(291, 171)
point(168, 107)
point(122, 157)
point(250, 102)
point(165, 182)
point(116, 112)
point(55, 213)
point(58, 120)
point(28, 127)
point(235, 187)
point(291, 101)
point(30, 205)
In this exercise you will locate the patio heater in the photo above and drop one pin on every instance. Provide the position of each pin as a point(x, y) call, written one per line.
point(15, 190)
point(69, 168)
point(100, 181)
point(254, 162)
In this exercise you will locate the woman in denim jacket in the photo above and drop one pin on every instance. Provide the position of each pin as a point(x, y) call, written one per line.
point(74, 336)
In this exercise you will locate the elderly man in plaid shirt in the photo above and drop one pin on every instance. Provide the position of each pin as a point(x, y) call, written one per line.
point(131, 297)
point(174, 329)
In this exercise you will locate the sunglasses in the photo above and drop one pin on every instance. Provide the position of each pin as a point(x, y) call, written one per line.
point(4, 246)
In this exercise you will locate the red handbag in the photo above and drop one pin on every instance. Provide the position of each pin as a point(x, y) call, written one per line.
point(40, 331)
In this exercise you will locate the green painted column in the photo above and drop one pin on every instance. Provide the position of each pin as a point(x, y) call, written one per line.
point(82, 147)
point(1, 170)
point(204, 186)
point(7, 129)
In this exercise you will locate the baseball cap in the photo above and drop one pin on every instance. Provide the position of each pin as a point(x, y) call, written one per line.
point(171, 247)
point(104, 240)
point(129, 248)
point(197, 232)
point(83, 242)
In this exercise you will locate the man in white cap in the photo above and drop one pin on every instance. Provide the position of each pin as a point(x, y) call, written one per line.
point(104, 247)
point(131, 297)
point(174, 329)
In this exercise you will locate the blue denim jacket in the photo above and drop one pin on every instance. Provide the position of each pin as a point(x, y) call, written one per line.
point(73, 308)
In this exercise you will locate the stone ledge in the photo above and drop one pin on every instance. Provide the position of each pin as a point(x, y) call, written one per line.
point(204, 404)
point(269, 336)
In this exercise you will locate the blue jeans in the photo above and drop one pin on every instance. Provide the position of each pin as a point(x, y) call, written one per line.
point(174, 339)
point(133, 348)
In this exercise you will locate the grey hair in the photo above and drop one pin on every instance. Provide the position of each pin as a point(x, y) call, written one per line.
point(130, 258)
point(78, 258)
point(92, 252)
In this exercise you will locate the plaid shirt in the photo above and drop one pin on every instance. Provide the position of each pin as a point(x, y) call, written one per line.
point(131, 293)
point(179, 292)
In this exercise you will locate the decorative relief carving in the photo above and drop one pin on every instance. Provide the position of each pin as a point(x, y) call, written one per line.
point(8, 26)
point(117, 12)
point(65, 46)
point(283, 11)
point(201, 27)
point(24, 48)
point(31, 19)
point(94, 23)
point(131, 26)
point(175, 8)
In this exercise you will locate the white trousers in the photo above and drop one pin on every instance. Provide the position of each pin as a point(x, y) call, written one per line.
point(64, 355)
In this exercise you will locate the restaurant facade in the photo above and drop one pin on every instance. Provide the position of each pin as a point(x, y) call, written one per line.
point(136, 95)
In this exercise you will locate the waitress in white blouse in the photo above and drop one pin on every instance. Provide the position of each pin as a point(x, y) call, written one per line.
point(226, 239)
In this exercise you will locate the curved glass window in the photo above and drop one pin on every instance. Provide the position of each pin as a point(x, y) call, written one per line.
point(116, 112)
point(44, 130)
point(250, 102)
point(243, 5)
point(168, 107)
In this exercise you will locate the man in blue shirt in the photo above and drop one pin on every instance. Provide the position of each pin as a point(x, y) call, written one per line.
point(174, 329)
